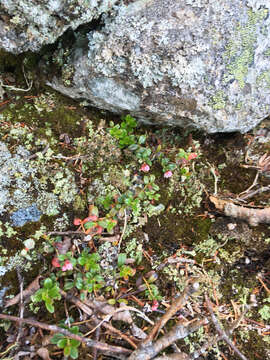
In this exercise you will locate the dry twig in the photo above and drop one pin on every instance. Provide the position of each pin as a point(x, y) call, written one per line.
point(30, 290)
point(87, 310)
point(123, 232)
point(252, 215)
point(180, 331)
point(53, 328)
point(221, 332)
point(21, 306)
point(148, 349)
point(177, 305)
point(176, 356)
point(252, 193)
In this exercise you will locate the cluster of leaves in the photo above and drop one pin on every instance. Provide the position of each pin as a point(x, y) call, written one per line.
point(93, 224)
point(126, 138)
point(69, 346)
point(48, 293)
point(81, 270)
point(146, 192)
point(124, 132)
point(85, 275)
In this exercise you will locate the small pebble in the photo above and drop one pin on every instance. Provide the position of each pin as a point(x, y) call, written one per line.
point(231, 226)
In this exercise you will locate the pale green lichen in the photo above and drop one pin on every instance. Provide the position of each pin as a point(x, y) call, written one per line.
point(264, 79)
point(65, 186)
point(267, 52)
point(134, 250)
point(218, 101)
point(239, 54)
point(48, 203)
point(239, 106)
point(67, 74)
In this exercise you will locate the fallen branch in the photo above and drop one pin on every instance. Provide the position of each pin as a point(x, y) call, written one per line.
point(21, 304)
point(176, 306)
point(148, 349)
point(252, 215)
point(53, 328)
point(30, 290)
point(87, 310)
point(36, 155)
point(252, 193)
point(176, 356)
point(62, 233)
point(221, 332)
point(14, 88)
point(178, 332)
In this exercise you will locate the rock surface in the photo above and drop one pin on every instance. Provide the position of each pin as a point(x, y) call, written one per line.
point(29, 24)
point(194, 63)
point(23, 196)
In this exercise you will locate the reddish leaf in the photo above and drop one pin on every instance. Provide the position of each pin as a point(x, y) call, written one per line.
point(155, 305)
point(55, 262)
point(77, 221)
point(99, 229)
point(192, 156)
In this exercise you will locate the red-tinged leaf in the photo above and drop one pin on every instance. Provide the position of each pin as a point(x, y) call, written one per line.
point(192, 156)
point(99, 229)
point(155, 305)
point(77, 221)
point(55, 262)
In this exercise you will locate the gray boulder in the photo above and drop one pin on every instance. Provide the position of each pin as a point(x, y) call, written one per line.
point(194, 63)
point(29, 24)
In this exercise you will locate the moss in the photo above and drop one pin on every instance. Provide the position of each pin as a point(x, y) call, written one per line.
point(239, 54)
point(10, 62)
point(79, 204)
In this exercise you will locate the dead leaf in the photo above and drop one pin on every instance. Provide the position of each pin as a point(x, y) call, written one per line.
point(107, 309)
point(43, 353)
point(63, 246)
